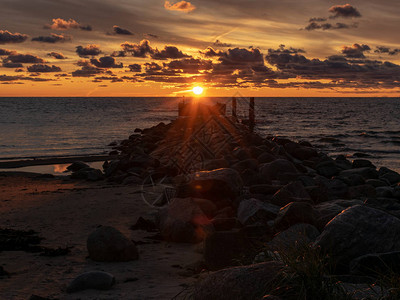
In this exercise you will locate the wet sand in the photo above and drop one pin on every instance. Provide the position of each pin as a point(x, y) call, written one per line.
point(64, 212)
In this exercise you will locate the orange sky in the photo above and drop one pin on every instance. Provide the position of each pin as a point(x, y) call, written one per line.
point(160, 48)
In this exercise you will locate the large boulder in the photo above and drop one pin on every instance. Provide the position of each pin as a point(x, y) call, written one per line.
point(91, 280)
point(294, 191)
point(366, 172)
point(108, 244)
point(330, 209)
point(224, 248)
point(297, 235)
point(239, 283)
point(213, 185)
point(184, 221)
point(360, 230)
point(272, 170)
point(294, 213)
point(376, 264)
point(252, 211)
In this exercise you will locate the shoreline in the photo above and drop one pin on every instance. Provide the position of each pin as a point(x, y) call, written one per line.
point(54, 161)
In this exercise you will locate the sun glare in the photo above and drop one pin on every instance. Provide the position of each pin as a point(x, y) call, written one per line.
point(198, 90)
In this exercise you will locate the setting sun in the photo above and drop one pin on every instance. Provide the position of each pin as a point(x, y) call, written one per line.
point(198, 90)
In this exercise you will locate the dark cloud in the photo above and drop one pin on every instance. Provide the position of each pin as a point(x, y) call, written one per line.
point(119, 30)
point(12, 65)
point(87, 71)
point(135, 68)
point(240, 56)
point(218, 43)
point(183, 6)
point(317, 19)
point(328, 26)
point(282, 49)
point(355, 51)
point(210, 52)
point(106, 62)
point(387, 50)
point(150, 35)
point(24, 58)
point(56, 55)
point(4, 52)
point(41, 68)
point(89, 50)
point(189, 65)
point(168, 52)
point(343, 72)
point(7, 37)
point(112, 79)
point(53, 38)
point(8, 78)
point(152, 67)
point(345, 11)
point(61, 24)
point(136, 50)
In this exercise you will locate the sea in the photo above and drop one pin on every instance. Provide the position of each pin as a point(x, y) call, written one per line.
point(59, 127)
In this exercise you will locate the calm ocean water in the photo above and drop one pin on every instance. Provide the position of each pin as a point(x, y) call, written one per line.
point(43, 127)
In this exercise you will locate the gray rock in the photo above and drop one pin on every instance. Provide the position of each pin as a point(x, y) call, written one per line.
point(215, 164)
point(363, 291)
point(215, 184)
point(238, 283)
point(361, 191)
point(91, 280)
point(362, 163)
point(95, 175)
point(224, 248)
point(294, 213)
point(367, 173)
point(242, 165)
point(327, 169)
point(272, 170)
point(265, 158)
point(264, 189)
point(76, 166)
point(297, 235)
point(108, 244)
point(293, 191)
point(384, 192)
point(330, 209)
point(376, 182)
point(376, 264)
point(252, 211)
point(184, 221)
point(360, 230)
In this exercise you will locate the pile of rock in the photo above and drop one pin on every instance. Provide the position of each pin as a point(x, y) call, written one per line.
point(273, 190)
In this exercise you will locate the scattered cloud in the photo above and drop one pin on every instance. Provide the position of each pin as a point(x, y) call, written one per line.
point(41, 68)
point(7, 37)
point(12, 65)
point(328, 26)
point(53, 38)
point(4, 52)
point(119, 30)
point(106, 62)
point(168, 52)
point(345, 11)
point(89, 50)
point(136, 50)
point(56, 55)
point(218, 43)
point(387, 50)
point(135, 68)
point(355, 51)
point(189, 65)
point(182, 6)
point(24, 58)
point(61, 24)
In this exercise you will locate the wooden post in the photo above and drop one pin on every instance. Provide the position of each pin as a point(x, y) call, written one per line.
point(251, 115)
point(234, 108)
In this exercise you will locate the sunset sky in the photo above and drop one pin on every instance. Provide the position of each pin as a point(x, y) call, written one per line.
point(165, 48)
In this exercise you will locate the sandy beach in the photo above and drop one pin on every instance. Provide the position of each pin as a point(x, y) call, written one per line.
point(64, 212)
